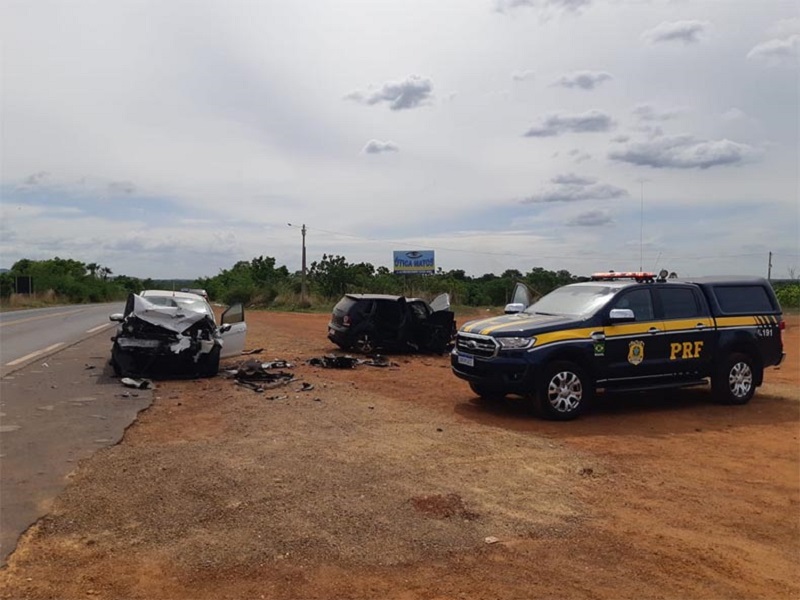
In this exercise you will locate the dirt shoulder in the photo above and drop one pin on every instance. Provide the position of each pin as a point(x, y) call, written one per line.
point(398, 483)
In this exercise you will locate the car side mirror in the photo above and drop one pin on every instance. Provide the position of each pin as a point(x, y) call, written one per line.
point(224, 328)
point(621, 315)
point(514, 308)
point(116, 317)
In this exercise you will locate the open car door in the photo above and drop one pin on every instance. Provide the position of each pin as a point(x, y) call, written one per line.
point(441, 302)
point(232, 330)
point(521, 299)
point(439, 331)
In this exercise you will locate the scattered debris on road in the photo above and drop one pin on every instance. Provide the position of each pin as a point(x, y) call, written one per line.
point(259, 376)
point(139, 384)
point(336, 361)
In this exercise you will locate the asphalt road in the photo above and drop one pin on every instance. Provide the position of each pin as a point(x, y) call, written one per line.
point(29, 335)
point(59, 404)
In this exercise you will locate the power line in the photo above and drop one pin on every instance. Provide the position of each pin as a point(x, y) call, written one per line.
point(619, 255)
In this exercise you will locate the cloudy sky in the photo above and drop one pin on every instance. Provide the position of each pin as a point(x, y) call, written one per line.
point(172, 138)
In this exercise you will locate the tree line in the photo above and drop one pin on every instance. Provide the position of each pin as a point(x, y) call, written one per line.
point(260, 282)
point(68, 280)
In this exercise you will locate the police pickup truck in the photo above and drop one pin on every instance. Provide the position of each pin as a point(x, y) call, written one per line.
point(624, 331)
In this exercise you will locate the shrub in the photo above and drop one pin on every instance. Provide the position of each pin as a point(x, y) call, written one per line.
point(789, 295)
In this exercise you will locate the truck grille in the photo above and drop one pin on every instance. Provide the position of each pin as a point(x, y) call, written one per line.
point(477, 345)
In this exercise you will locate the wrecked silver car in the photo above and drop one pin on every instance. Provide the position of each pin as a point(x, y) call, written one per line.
point(165, 334)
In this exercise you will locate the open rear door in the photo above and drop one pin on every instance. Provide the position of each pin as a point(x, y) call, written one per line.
point(233, 330)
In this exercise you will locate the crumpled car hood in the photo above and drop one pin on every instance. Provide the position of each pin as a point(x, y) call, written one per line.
point(172, 318)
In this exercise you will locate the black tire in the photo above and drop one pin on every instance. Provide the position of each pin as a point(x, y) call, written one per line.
point(485, 393)
point(364, 343)
point(116, 367)
point(210, 364)
point(735, 380)
point(564, 391)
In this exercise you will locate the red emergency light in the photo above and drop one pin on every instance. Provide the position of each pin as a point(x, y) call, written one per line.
point(637, 275)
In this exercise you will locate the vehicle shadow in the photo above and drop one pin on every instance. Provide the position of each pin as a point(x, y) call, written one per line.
point(651, 413)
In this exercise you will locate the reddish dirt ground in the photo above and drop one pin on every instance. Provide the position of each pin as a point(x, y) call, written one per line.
point(398, 483)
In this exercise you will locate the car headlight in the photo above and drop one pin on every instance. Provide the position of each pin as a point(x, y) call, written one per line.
point(515, 343)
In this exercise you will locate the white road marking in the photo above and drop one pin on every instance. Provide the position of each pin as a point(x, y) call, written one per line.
point(39, 318)
point(34, 354)
point(99, 327)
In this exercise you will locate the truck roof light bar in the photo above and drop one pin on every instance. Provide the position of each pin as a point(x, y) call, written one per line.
point(639, 276)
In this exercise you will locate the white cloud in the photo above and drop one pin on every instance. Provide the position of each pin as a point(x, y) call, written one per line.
point(585, 80)
point(523, 75)
point(573, 188)
point(685, 152)
point(647, 112)
point(558, 5)
point(36, 178)
point(591, 218)
point(377, 147)
point(579, 155)
point(777, 52)
point(411, 92)
point(121, 187)
point(558, 123)
point(785, 27)
point(687, 32)
point(734, 114)
point(572, 179)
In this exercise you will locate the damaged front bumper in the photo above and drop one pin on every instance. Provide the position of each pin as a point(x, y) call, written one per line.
point(181, 357)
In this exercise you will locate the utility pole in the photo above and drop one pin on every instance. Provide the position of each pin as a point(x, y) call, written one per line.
point(303, 289)
point(769, 267)
point(303, 286)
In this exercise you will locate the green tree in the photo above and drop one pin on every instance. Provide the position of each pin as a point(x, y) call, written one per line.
point(329, 275)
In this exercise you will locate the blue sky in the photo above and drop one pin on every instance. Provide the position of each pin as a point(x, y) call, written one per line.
point(172, 139)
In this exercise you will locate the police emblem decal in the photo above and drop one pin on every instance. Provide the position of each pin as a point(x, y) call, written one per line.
point(636, 352)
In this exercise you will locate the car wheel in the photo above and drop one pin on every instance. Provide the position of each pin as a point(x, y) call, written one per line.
point(364, 343)
point(210, 366)
point(735, 380)
point(564, 390)
point(116, 367)
point(486, 393)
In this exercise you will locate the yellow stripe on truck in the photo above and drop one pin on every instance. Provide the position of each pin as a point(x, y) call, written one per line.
point(564, 335)
point(686, 324)
point(737, 321)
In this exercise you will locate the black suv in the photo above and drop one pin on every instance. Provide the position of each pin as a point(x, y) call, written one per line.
point(368, 322)
point(625, 331)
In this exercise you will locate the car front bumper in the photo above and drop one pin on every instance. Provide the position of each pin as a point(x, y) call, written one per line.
point(511, 376)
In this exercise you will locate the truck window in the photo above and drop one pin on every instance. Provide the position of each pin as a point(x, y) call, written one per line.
point(639, 301)
point(679, 303)
point(743, 299)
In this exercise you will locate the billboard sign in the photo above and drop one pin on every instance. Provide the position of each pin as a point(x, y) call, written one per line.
point(414, 262)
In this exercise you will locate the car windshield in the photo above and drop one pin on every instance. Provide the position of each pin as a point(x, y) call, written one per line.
point(193, 304)
point(572, 300)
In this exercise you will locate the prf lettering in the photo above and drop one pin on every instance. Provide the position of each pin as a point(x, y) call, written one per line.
point(685, 350)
